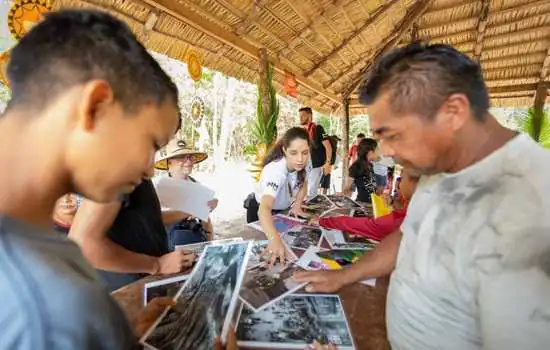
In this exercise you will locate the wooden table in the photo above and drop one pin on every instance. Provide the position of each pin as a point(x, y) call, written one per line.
point(364, 306)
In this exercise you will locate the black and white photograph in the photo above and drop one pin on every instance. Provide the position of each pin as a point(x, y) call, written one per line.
point(320, 201)
point(294, 322)
point(166, 287)
point(343, 202)
point(282, 223)
point(206, 303)
point(263, 285)
point(198, 248)
point(302, 237)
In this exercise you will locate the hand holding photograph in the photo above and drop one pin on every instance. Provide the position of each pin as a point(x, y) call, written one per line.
point(205, 304)
point(302, 237)
point(294, 322)
point(258, 256)
point(263, 286)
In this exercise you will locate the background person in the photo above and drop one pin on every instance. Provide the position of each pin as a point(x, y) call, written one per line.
point(182, 227)
point(320, 148)
point(352, 154)
point(361, 173)
point(283, 177)
point(326, 178)
point(64, 212)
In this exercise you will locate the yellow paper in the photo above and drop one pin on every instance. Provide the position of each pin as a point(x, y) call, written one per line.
point(379, 206)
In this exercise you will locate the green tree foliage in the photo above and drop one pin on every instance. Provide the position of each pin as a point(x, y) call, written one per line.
point(526, 124)
point(266, 131)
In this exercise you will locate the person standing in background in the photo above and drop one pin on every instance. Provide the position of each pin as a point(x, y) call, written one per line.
point(326, 178)
point(352, 154)
point(320, 148)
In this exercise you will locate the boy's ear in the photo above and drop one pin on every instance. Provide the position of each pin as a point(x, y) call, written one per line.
point(96, 96)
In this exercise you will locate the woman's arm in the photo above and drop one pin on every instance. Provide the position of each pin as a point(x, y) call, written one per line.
point(266, 218)
point(347, 190)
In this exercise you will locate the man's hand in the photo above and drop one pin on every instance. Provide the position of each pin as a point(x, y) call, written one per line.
point(149, 315)
point(231, 341)
point(174, 262)
point(213, 204)
point(321, 281)
point(327, 168)
point(314, 221)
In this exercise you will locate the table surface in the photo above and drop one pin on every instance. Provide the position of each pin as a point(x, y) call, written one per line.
point(364, 306)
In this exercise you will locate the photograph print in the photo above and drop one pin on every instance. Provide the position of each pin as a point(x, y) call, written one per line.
point(258, 256)
point(340, 240)
point(320, 201)
point(294, 322)
point(302, 237)
point(167, 287)
point(263, 286)
point(206, 303)
point(343, 202)
point(198, 248)
point(282, 223)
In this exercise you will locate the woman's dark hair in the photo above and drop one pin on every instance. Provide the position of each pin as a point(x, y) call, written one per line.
point(362, 166)
point(277, 153)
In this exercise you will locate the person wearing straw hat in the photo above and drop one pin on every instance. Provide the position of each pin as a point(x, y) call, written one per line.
point(179, 160)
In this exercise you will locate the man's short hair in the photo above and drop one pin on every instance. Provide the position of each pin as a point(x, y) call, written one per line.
point(361, 135)
point(306, 109)
point(72, 47)
point(420, 77)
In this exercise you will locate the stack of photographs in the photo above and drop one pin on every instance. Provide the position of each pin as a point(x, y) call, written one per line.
point(302, 237)
point(295, 322)
point(205, 304)
point(167, 287)
point(264, 285)
point(257, 256)
point(318, 205)
point(282, 223)
point(343, 202)
point(198, 248)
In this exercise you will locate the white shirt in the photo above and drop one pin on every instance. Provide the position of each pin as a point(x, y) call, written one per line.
point(381, 166)
point(276, 181)
point(473, 269)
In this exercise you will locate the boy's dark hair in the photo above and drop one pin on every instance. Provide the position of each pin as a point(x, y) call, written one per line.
point(361, 135)
point(420, 77)
point(306, 109)
point(72, 47)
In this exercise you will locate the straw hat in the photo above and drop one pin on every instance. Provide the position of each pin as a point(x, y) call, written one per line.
point(177, 148)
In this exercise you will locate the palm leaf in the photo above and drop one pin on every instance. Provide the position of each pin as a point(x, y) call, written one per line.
point(526, 123)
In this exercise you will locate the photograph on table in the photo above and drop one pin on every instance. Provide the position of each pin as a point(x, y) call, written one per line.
point(198, 248)
point(294, 322)
point(263, 286)
point(205, 304)
point(302, 237)
point(320, 202)
point(340, 240)
point(311, 261)
point(362, 213)
point(344, 202)
point(282, 223)
point(167, 287)
point(258, 256)
point(337, 212)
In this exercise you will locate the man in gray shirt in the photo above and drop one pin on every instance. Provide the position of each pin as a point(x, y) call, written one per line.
point(89, 109)
point(470, 266)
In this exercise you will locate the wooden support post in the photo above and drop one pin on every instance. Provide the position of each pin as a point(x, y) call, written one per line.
point(345, 142)
point(263, 83)
point(540, 97)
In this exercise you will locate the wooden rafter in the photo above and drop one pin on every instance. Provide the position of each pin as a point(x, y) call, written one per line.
point(451, 6)
point(481, 26)
point(494, 27)
point(213, 30)
point(243, 27)
point(513, 9)
point(412, 14)
point(374, 16)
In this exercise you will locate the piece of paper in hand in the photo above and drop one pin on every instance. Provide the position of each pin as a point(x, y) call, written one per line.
point(186, 196)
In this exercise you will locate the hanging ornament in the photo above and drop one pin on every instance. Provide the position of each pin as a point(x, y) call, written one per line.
point(194, 66)
point(24, 14)
point(4, 59)
point(197, 110)
point(290, 84)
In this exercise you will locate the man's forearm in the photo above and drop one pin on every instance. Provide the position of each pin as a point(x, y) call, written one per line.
point(109, 256)
point(376, 263)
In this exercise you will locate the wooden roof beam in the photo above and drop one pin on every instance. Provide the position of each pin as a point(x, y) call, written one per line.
point(374, 16)
point(243, 27)
point(496, 12)
point(237, 42)
point(493, 27)
point(481, 26)
point(451, 6)
point(412, 14)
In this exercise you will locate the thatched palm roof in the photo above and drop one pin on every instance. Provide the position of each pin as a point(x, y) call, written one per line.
point(329, 44)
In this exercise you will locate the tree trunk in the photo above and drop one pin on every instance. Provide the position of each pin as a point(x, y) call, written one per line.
point(227, 121)
point(263, 83)
point(345, 142)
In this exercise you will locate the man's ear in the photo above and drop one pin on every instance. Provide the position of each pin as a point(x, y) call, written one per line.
point(97, 95)
point(456, 111)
